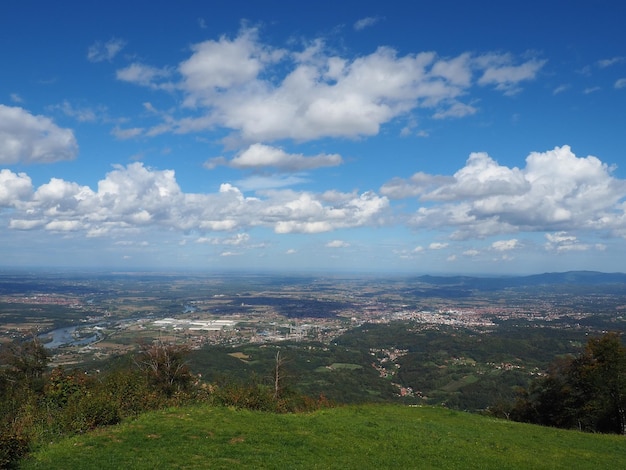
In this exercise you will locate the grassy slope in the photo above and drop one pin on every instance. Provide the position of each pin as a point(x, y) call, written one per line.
point(371, 436)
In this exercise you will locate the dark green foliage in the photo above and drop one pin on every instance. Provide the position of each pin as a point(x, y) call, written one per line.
point(130, 392)
point(21, 377)
point(12, 448)
point(24, 362)
point(586, 392)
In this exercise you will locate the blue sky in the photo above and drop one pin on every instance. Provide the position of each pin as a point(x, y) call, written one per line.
point(425, 137)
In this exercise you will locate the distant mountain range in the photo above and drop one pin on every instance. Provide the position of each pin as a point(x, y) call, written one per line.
point(581, 278)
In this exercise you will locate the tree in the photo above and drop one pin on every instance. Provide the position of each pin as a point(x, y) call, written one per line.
point(279, 375)
point(165, 365)
point(587, 392)
point(26, 361)
point(601, 373)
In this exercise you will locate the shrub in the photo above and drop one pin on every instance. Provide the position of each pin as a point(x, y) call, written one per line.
point(12, 448)
point(88, 412)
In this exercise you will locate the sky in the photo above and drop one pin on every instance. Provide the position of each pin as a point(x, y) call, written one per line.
point(482, 137)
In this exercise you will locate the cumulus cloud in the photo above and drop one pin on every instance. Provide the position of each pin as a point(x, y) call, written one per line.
point(28, 138)
point(621, 83)
point(225, 63)
point(505, 245)
point(260, 155)
point(563, 242)
point(555, 191)
point(264, 93)
point(437, 246)
point(14, 187)
point(134, 197)
point(236, 240)
point(105, 51)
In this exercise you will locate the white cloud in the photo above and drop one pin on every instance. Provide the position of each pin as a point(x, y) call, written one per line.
point(16, 98)
point(621, 83)
point(418, 184)
point(437, 246)
point(225, 63)
point(231, 253)
point(124, 134)
point(27, 138)
point(263, 93)
point(590, 90)
point(366, 23)
point(609, 62)
point(505, 245)
point(457, 110)
point(14, 188)
point(105, 51)
point(260, 155)
point(142, 74)
point(555, 191)
point(263, 182)
point(82, 114)
point(337, 244)
point(480, 177)
point(63, 225)
point(560, 89)
point(563, 242)
point(236, 240)
point(501, 71)
point(135, 197)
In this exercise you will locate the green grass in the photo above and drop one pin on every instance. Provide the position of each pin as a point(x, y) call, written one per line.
point(352, 437)
point(457, 384)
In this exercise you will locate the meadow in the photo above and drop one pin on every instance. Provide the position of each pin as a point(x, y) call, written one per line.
point(346, 437)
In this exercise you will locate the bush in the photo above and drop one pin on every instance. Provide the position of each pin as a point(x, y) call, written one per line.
point(252, 397)
point(12, 448)
point(88, 412)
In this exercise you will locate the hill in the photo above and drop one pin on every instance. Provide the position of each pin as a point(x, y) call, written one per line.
point(369, 436)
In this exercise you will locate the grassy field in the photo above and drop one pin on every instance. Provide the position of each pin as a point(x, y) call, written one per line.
point(352, 437)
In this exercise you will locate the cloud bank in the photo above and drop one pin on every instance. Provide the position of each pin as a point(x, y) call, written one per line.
point(556, 192)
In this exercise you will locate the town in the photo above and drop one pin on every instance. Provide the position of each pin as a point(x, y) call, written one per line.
point(98, 316)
